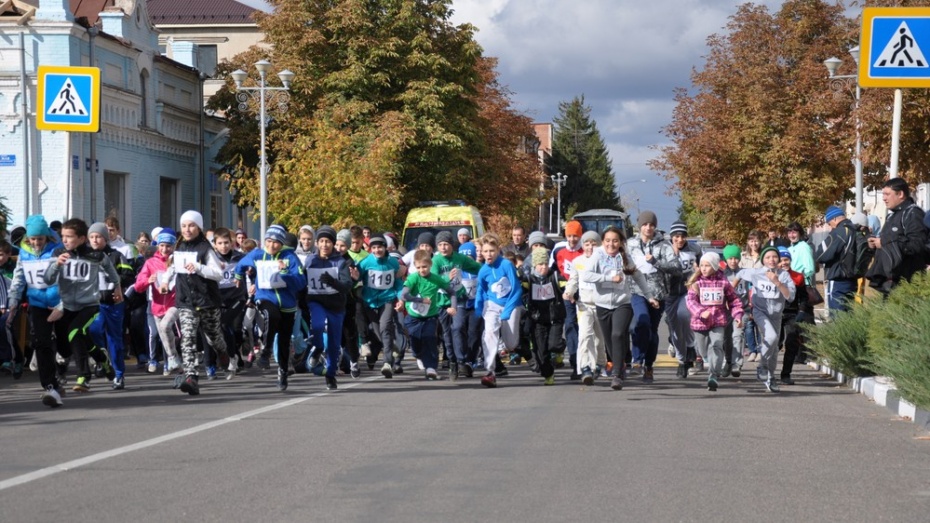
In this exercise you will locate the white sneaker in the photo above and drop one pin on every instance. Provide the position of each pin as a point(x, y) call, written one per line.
point(420, 364)
point(365, 350)
point(153, 367)
point(431, 374)
point(671, 351)
point(174, 363)
point(233, 367)
point(51, 397)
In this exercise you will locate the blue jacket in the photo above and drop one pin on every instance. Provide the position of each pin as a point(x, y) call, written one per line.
point(379, 276)
point(44, 298)
point(292, 276)
point(498, 282)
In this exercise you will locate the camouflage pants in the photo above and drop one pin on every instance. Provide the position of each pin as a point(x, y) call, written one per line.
point(208, 321)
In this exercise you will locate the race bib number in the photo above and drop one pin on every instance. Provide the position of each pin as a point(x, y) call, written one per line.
point(501, 288)
point(269, 275)
point(456, 283)
point(76, 270)
point(229, 275)
point(315, 286)
point(543, 292)
point(34, 272)
point(568, 268)
point(103, 283)
point(181, 259)
point(712, 296)
point(381, 280)
point(687, 261)
point(420, 308)
point(471, 288)
point(767, 289)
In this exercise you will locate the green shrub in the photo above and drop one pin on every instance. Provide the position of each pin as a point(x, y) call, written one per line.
point(843, 343)
point(899, 337)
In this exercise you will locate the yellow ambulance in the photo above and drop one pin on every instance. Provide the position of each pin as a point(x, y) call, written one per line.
point(435, 216)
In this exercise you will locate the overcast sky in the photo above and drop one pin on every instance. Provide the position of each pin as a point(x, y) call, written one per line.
point(625, 56)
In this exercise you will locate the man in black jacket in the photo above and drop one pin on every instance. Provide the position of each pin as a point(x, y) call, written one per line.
point(832, 253)
point(900, 248)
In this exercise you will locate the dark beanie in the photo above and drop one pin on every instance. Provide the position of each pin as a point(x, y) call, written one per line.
point(326, 232)
point(444, 236)
point(428, 238)
point(678, 227)
point(647, 217)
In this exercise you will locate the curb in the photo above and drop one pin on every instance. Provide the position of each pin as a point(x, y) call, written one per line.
point(882, 391)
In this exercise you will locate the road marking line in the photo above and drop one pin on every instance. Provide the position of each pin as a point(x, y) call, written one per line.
point(100, 456)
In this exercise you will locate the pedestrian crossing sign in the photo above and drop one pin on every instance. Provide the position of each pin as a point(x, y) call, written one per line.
point(69, 98)
point(894, 46)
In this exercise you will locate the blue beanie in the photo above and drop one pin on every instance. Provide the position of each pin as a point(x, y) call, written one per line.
point(276, 233)
point(37, 226)
point(166, 236)
point(783, 252)
point(832, 212)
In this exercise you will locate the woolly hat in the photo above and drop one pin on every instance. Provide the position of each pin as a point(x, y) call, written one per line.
point(833, 212)
point(678, 227)
point(425, 237)
point(239, 231)
point(466, 231)
point(731, 251)
point(541, 257)
point(156, 231)
point(344, 236)
point(37, 226)
point(326, 232)
point(573, 228)
point(712, 258)
point(468, 249)
point(193, 216)
point(590, 236)
point(389, 241)
point(101, 229)
point(766, 249)
point(536, 237)
point(276, 233)
point(290, 240)
point(783, 252)
point(444, 237)
point(378, 239)
point(647, 217)
point(166, 236)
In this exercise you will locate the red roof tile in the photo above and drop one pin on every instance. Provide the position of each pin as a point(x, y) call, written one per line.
point(199, 12)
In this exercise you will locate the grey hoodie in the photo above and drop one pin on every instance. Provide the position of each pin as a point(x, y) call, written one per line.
point(663, 266)
point(79, 279)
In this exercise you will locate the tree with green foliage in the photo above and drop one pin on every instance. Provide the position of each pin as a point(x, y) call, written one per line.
point(391, 105)
point(579, 152)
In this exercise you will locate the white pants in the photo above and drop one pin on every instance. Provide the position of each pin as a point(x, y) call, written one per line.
point(497, 330)
point(590, 340)
point(166, 331)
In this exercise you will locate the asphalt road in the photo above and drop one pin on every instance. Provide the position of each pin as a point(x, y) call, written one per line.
point(409, 450)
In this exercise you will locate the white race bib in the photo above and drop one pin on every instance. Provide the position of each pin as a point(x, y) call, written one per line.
point(34, 271)
point(181, 259)
point(501, 288)
point(381, 280)
point(315, 286)
point(269, 275)
point(767, 289)
point(543, 292)
point(76, 270)
point(420, 308)
point(711, 295)
point(471, 287)
point(103, 283)
point(162, 279)
point(229, 275)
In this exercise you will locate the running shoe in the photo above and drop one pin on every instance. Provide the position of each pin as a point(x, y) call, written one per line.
point(712, 384)
point(108, 371)
point(468, 369)
point(735, 370)
point(331, 383)
point(6, 367)
point(587, 377)
point(81, 385)
point(17, 371)
point(786, 380)
point(550, 380)
point(264, 363)
point(771, 385)
point(725, 372)
point(190, 386)
point(282, 380)
point(398, 369)
point(387, 371)
point(118, 383)
point(353, 370)
point(648, 375)
point(153, 367)
point(489, 381)
point(431, 374)
point(211, 373)
point(51, 397)
point(616, 383)
point(453, 371)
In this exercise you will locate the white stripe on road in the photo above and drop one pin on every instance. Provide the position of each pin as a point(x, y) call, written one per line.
point(69, 465)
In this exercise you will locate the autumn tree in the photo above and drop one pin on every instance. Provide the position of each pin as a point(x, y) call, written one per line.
point(760, 141)
point(579, 152)
point(391, 105)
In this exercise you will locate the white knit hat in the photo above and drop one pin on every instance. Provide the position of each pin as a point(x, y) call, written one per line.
point(193, 216)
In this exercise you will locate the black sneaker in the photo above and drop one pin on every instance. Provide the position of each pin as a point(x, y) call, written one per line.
point(118, 384)
point(786, 380)
point(99, 371)
point(353, 370)
point(502, 372)
point(190, 385)
point(282, 380)
point(331, 383)
point(616, 383)
point(468, 370)
point(453, 371)
point(682, 371)
point(109, 371)
point(574, 376)
point(712, 384)
point(587, 377)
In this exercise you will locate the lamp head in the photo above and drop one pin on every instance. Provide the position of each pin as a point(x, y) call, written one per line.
point(238, 76)
point(832, 64)
point(262, 66)
point(286, 77)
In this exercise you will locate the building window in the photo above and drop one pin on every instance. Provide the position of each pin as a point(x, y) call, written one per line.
point(168, 199)
point(216, 201)
point(114, 196)
point(206, 59)
point(143, 91)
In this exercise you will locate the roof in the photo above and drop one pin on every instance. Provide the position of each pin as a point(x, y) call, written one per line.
point(89, 9)
point(199, 12)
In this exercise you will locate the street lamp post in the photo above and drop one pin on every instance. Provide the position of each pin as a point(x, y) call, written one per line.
point(559, 180)
point(642, 180)
point(839, 84)
point(265, 94)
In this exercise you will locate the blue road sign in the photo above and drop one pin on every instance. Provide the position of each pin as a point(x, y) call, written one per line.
point(895, 45)
point(70, 98)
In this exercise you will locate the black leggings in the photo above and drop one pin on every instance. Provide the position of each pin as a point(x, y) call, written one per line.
point(615, 325)
point(281, 324)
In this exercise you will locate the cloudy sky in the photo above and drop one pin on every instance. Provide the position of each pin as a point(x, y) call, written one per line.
point(624, 56)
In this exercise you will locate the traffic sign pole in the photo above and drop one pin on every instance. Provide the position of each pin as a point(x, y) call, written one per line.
point(896, 133)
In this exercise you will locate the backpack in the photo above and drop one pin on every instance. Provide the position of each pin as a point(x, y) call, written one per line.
point(858, 255)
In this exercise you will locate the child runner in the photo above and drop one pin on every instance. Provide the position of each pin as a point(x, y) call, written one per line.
point(752, 259)
point(11, 357)
point(453, 266)
point(792, 316)
point(498, 301)
point(733, 338)
point(677, 315)
point(472, 322)
point(381, 286)
point(76, 271)
point(562, 256)
point(278, 278)
point(546, 311)
point(198, 273)
point(713, 305)
point(234, 298)
point(421, 294)
point(349, 322)
point(772, 288)
point(157, 280)
point(328, 283)
point(611, 274)
point(107, 329)
point(590, 341)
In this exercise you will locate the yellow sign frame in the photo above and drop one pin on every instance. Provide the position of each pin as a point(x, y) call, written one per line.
point(92, 102)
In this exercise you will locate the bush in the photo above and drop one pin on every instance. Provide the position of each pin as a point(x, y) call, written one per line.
point(843, 343)
point(899, 339)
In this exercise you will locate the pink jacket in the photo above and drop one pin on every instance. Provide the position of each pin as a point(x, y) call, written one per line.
point(160, 302)
point(714, 294)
